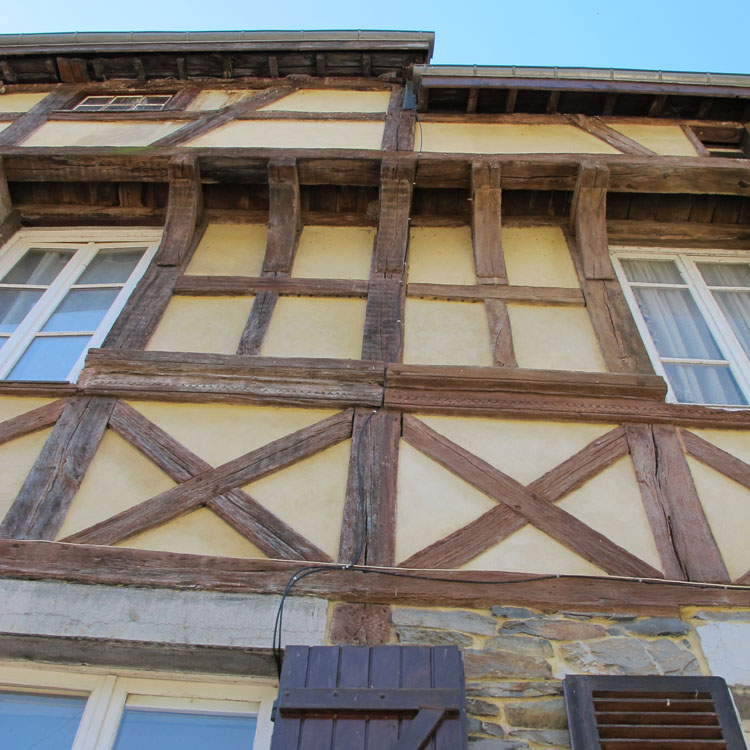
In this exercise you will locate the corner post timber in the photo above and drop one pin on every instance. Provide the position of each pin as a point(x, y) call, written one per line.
point(10, 220)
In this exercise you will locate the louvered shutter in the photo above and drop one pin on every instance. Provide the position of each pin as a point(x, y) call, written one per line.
point(651, 713)
point(371, 698)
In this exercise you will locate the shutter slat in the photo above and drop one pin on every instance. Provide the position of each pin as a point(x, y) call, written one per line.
point(657, 717)
point(651, 732)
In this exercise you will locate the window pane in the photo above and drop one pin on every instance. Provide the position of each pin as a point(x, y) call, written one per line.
point(736, 309)
point(81, 310)
point(652, 271)
point(675, 324)
point(38, 267)
point(170, 730)
point(111, 267)
point(725, 274)
point(41, 722)
point(14, 306)
point(49, 358)
point(704, 384)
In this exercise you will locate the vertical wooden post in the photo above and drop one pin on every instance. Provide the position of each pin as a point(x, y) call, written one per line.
point(284, 229)
point(393, 119)
point(39, 509)
point(10, 220)
point(588, 221)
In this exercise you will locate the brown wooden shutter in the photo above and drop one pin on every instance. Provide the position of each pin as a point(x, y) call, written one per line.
point(651, 713)
point(371, 698)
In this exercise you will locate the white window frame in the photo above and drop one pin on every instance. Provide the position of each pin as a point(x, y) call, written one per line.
point(686, 259)
point(111, 106)
point(109, 690)
point(85, 243)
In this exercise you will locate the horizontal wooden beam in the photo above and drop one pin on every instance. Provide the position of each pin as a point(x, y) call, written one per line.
point(679, 234)
point(216, 286)
point(37, 560)
point(541, 295)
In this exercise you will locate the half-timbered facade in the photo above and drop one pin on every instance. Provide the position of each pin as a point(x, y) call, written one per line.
point(465, 349)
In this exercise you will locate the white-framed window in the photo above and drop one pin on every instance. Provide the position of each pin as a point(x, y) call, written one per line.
point(123, 103)
point(60, 292)
point(65, 709)
point(692, 308)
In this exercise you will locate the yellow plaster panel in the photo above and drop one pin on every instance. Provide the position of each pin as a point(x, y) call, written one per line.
point(89, 133)
point(522, 449)
point(611, 504)
point(554, 338)
point(220, 432)
point(441, 255)
point(316, 327)
point(17, 457)
point(334, 253)
point(218, 99)
point(732, 441)
point(727, 508)
point(322, 100)
point(432, 502)
point(528, 550)
point(118, 478)
point(211, 325)
point(293, 134)
point(230, 250)
point(666, 140)
point(498, 138)
point(309, 496)
point(446, 333)
point(20, 102)
point(13, 406)
point(538, 256)
point(198, 533)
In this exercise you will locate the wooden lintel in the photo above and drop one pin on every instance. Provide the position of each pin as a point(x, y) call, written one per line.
point(588, 219)
point(486, 229)
point(284, 216)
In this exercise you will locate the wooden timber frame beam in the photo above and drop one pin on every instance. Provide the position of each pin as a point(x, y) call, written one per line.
point(30, 121)
point(10, 220)
point(588, 220)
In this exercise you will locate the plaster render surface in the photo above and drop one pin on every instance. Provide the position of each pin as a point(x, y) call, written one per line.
point(16, 458)
point(538, 256)
point(316, 327)
point(665, 140)
point(220, 432)
point(293, 134)
point(156, 615)
point(499, 138)
point(334, 253)
point(446, 333)
point(85, 133)
point(199, 533)
point(13, 406)
point(441, 255)
point(726, 646)
point(20, 102)
point(229, 250)
point(331, 100)
point(554, 338)
point(218, 98)
point(209, 325)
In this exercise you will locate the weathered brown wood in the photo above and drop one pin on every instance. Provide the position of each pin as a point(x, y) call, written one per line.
point(693, 540)
point(44, 560)
point(588, 217)
point(541, 295)
point(184, 210)
point(359, 624)
point(609, 135)
point(643, 454)
point(257, 324)
point(31, 421)
point(486, 230)
point(9, 226)
point(180, 101)
point(271, 535)
point(373, 467)
point(67, 215)
point(500, 522)
point(6, 207)
point(25, 125)
point(146, 305)
point(383, 336)
point(718, 459)
point(396, 184)
point(407, 127)
point(392, 120)
point(471, 102)
point(40, 506)
point(200, 489)
point(284, 216)
point(679, 234)
point(72, 70)
point(215, 286)
point(552, 520)
point(211, 120)
point(697, 143)
point(179, 376)
point(501, 337)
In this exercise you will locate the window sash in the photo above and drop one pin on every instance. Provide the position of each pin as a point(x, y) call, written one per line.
point(688, 262)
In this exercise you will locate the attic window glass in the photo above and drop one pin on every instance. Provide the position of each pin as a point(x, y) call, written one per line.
point(123, 103)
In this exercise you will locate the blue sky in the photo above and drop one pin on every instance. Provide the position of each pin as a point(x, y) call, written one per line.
point(651, 34)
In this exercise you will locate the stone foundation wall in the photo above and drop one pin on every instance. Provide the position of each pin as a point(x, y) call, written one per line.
point(515, 659)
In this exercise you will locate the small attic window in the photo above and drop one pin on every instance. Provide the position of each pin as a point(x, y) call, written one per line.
point(123, 103)
point(728, 141)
